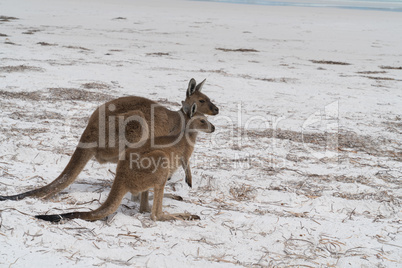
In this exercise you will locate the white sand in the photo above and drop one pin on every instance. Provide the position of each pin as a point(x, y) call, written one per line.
point(292, 207)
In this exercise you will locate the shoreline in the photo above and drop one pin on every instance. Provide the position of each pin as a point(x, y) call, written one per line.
point(355, 5)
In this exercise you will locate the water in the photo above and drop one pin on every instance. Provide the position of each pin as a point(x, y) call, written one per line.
point(388, 5)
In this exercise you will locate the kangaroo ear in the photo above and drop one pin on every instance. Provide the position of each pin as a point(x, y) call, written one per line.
point(185, 107)
point(193, 110)
point(199, 86)
point(191, 87)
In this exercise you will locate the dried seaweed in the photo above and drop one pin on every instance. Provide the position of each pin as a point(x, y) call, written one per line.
point(330, 62)
point(237, 49)
point(19, 68)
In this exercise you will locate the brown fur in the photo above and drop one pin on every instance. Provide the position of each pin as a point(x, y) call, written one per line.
point(108, 148)
point(135, 177)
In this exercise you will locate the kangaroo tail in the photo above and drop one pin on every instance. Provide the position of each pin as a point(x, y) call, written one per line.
point(111, 204)
point(76, 164)
point(55, 217)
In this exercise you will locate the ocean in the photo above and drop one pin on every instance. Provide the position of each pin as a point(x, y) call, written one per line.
point(388, 5)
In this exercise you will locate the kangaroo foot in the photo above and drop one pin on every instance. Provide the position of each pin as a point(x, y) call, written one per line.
point(177, 216)
point(186, 216)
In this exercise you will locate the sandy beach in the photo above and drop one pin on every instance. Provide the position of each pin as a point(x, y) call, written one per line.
point(304, 169)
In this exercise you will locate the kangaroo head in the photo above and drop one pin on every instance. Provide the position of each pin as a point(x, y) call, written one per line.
point(194, 95)
point(196, 120)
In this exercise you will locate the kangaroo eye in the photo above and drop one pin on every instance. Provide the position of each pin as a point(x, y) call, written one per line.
point(203, 121)
point(201, 101)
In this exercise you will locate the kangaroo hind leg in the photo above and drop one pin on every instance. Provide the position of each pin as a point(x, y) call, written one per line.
point(158, 215)
point(111, 204)
point(159, 187)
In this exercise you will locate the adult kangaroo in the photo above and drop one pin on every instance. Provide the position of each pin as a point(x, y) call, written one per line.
point(116, 125)
point(149, 166)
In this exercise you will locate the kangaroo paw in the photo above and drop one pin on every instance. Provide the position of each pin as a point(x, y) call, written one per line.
point(189, 182)
point(174, 197)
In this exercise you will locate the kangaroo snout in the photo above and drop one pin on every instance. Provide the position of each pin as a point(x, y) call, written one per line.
point(212, 128)
point(215, 110)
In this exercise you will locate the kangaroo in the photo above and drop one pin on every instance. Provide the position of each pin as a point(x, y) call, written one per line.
point(105, 139)
point(147, 167)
